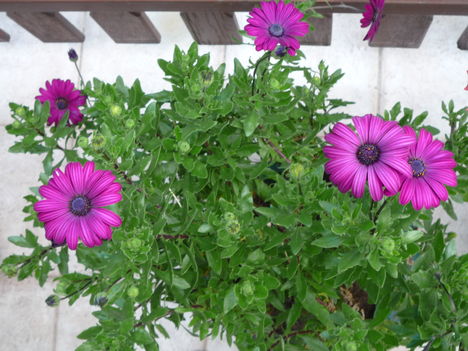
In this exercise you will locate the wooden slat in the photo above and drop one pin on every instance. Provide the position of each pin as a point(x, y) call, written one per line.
point(322, 33)
point(463, 41)
point(4, 36)
point(127, 27)
point(422, 7)
point(213, 27)
point(50, 27)
point(401, 31)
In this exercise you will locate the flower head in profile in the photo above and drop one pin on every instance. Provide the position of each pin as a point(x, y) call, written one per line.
point(432, 168)
point(276, 23)
point(72, 209)
point(372, 17)
point(376, 154)
point(63, 98)
point(72, 55)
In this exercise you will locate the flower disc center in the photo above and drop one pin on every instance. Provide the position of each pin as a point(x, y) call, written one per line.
point(368, 154)
point(276, 30)
point(418, 167)
point(80, 205)
point(61, 103)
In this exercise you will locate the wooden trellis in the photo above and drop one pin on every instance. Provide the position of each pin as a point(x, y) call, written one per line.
point(213, 21)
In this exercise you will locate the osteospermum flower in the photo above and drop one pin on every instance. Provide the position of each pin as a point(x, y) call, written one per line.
point(376, 155)
point(72, 208)
point(372, 17)
point(276, 23)
point(432, 168)
point(62, 97)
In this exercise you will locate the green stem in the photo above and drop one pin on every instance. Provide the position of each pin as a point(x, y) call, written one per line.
point(260, 60)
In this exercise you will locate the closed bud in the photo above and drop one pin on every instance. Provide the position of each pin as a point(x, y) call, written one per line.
point(52, 301)
point(316, 80)
point(207, 78)
point(229, 217)
point(350, 346)
point(233, 227)
point(134, 244)
point(130, 123)
point(388, 245)
point(9, 270)
point(115, 110)
point(247, 289)
point(100, 299)
point(275, 84)
point(296, 170)
point(72, 55)
point(83, 142)
point(280, 51)
point(183, 146)
point(20, 111)
point(16, 124)
point(133, 292)
point(98, 142)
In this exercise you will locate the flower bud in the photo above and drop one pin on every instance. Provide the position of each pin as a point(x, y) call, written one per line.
point(72, 55)
point(9, 270)
point(274, 84)
point(129, 123)
point(98, 142)
point(20, 111)
point(52, 301)
point(233, 227)
point(350, 346)
point(83, 142)
point(207, 78)
point(16, 124)
point(296, 170)
point(247, 289)
point(100, 299)
point(183, 146)
point(388, 245)
point(133, 292)
point(280, 51)
point(316, 80)
point(115, 110)
point(229, 217)
point(134, 244)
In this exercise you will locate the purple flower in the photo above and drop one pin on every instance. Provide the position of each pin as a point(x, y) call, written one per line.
point(72, 206)
point(371, 17)
point(376, 155)
point(62, 97)
point(432, 167)
point(276, 23)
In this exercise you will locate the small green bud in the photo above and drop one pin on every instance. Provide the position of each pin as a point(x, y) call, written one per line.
point(134, 244)
point(98, 142)
point(388, 245)
point(83, 142)
point(229, 217)
point(129, 123)
point(108, 100)
point(247, 289)
point(274, 84)
point(233, 227)
point(183, 146)
point(296, 170)
point(9, 270)
point(16, 124)
point(451, 236)
point(207, 78)
point(133, 292)
point(350, 346)
point(316, 80)
point(115, 110)
point(52, 300)
point(20, 111)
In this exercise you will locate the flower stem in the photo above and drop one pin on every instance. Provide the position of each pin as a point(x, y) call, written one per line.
point(278, 151)
point(81, 77)
point(260, 60)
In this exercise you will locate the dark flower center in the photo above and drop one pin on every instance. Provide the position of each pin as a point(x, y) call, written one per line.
point(276, 30)
point(80, 205)
point(418, 167)
point(368, 154)
point(61, 103)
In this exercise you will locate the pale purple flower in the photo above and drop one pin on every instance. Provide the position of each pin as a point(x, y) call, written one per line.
point(432, 168)
point(72, 209)
point(372, 17)
point(376, 155)
point(62, 97)
point(276, 23)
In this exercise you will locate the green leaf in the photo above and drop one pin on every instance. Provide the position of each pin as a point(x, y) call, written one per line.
point(250, 123)
point(180, 282)
point(327, 241)
point(230, 300)
point(90, 333)
point(20, 241)
point(320, 312)
point(349, 260)
point(142, 337)
point(411, 236)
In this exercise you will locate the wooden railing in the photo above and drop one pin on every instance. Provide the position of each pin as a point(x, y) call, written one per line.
point(213, 22)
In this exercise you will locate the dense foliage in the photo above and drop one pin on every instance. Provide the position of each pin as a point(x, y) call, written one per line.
point(230, 226)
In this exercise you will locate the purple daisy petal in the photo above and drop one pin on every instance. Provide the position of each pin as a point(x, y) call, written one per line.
point(372, 16)
point(72, 209)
